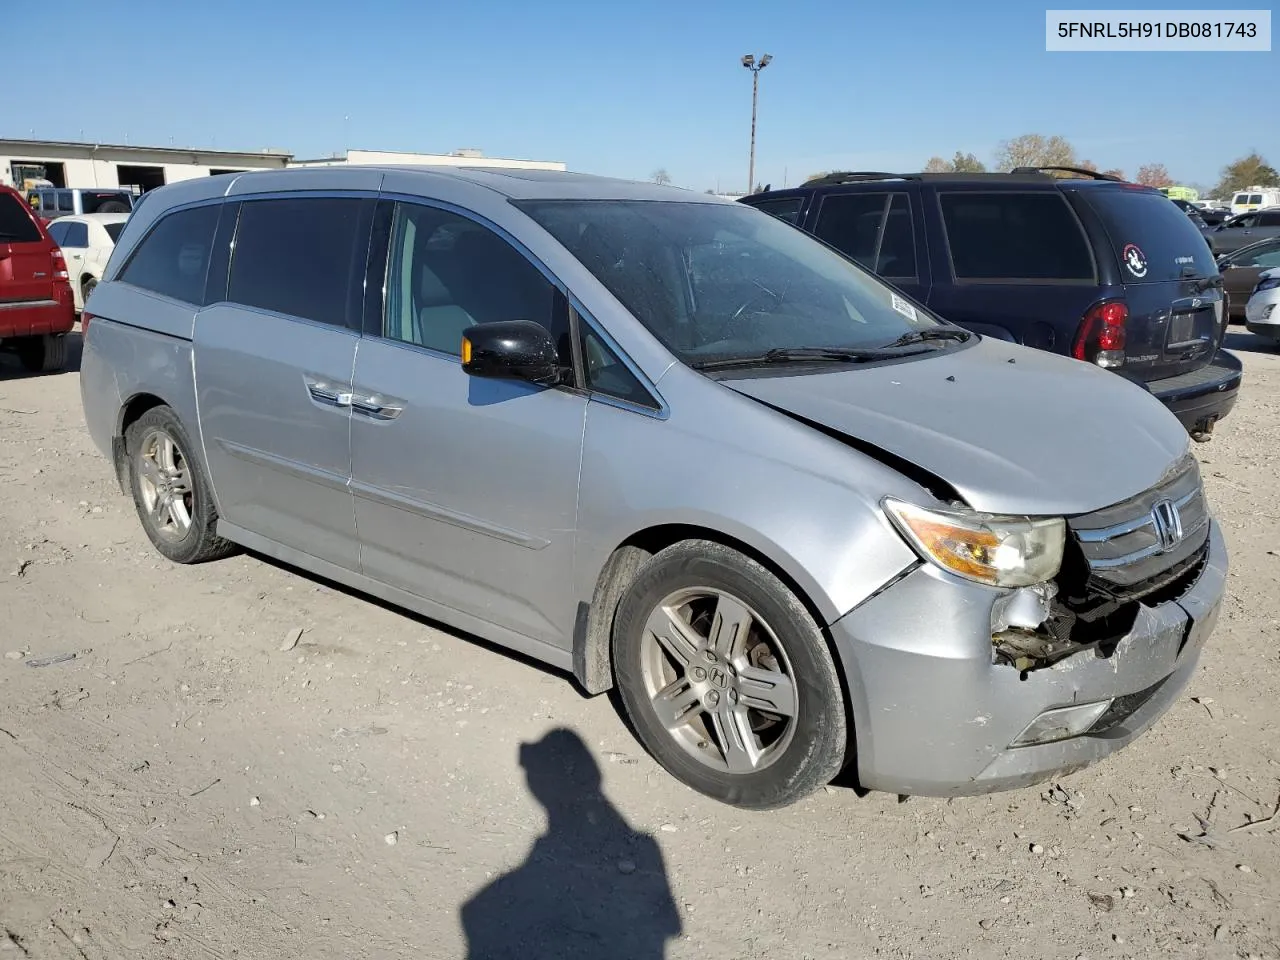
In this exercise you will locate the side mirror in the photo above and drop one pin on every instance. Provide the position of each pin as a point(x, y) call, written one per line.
point(511, 350)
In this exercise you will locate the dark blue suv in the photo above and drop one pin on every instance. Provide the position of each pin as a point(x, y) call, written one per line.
point(1106, 271)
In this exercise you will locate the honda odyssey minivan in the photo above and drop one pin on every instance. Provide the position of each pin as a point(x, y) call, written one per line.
point(672, 445)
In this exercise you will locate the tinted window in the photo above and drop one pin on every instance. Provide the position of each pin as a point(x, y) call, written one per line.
point(1151, 239)
point(715, 281)
point(1254, 198)
point(447, 273)
point(787, 209)
point(851, 224)
point(77, 235)
point(114, 230)
point(298, 256)
point(66, 201)
point(607, 374)
point(173, 259)
point(58, 232)
point(15, 222)
point(116, 201)
point(1020, 236)
point(1269, 219)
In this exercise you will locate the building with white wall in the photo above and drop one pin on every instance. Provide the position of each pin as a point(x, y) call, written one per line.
point(469, 157)
point(71, 164)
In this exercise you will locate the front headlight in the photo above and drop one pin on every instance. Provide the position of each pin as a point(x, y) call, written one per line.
point(1002, 551)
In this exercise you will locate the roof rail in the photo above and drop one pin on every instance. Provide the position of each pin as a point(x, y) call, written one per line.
point(853, 176)
point(1089, 174)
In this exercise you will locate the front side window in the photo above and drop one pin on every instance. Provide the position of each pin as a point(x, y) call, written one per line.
point(1264, 255)
point(1015, 236)
point(787, 209)
point(1242, 222)
point(446, 273)
point(718, 281)
point(299, 256)
point(173, 259)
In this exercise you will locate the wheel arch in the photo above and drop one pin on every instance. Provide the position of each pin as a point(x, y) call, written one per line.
point(130, 411)
point(592, 648)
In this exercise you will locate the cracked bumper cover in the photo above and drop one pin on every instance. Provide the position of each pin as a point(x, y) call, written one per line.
point(934, 716)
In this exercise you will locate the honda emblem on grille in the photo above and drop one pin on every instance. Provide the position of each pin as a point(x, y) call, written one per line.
point(1168, 524)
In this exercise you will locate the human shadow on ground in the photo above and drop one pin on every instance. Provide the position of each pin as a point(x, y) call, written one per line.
point(592, 888)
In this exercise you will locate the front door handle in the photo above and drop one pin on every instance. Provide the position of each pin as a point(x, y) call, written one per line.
point(375, 408)
point(322, 392)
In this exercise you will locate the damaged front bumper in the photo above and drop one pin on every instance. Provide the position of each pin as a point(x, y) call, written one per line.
point(936, 715)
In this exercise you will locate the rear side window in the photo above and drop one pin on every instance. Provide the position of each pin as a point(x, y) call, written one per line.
point(1255, 198)
point(66, 201)
point(15, 223)
point(77, 235)
point(297, 256)
point(1020, 236)
point(173, 259)
point(1271, 218)
point(114, 230)
point(1151, 240)
point(787, 209)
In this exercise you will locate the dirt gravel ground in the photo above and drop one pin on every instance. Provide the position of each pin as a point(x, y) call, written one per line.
point(186, 787)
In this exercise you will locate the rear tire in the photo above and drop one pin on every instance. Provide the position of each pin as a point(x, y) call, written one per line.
point(727, 679)
point(113, 206)
point(86, 288)
point(170, 490)
point(45, 354)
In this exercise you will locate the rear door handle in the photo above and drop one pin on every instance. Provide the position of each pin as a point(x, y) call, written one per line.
point(374, 408)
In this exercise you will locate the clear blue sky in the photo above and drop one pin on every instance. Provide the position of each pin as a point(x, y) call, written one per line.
point(625, 88)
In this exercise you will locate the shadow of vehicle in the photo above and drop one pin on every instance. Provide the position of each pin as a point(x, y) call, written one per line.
point(1237, 340)
point(11, 368)
point(591, 888)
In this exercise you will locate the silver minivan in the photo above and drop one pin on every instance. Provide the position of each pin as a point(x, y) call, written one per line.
point(673, 445)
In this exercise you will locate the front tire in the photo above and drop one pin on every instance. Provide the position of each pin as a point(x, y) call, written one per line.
point(727, 678)
point(170, 490)
point(45, 354)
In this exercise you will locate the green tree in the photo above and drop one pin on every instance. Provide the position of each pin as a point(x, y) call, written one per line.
point(1250, 171)
point(967, 163)
point(1035, 150)
point(1154, 175)
point(937, 165)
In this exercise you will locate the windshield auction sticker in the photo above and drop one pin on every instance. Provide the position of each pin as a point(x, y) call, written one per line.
point(1245, 31)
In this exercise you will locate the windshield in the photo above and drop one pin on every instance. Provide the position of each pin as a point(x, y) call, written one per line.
point(715, 282)
point(1153, 240)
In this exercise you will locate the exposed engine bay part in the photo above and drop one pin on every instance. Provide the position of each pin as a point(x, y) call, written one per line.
point(1022, 631)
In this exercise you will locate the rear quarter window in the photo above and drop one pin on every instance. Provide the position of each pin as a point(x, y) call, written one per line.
point(173, 259)
point(16, 225)
point(1151, 239)
point(787, 209)
point(1009, 236)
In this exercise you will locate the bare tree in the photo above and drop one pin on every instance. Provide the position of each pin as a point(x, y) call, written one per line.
point(818, 176)
point(660, 176)
point(1250, 171)
point(1119, 174)
point(937, 165)
point(1035, 150)
point(1154, 175)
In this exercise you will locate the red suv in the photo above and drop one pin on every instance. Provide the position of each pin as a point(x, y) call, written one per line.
point(36, 305)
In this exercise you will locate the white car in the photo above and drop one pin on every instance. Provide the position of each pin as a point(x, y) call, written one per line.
point(87, 240)
point(1262, 312)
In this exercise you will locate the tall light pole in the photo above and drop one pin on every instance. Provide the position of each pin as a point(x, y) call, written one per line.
point(755, 66)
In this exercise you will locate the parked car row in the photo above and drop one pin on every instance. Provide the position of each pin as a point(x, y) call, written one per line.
point(678, 447)
point(1106, 271)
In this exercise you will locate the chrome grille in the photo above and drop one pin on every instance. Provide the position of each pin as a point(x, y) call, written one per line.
point(1137, 546)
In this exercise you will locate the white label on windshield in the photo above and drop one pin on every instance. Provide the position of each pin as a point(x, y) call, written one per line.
point(904, 308)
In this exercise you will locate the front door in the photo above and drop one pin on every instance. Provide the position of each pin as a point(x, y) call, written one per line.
point(465, 488)
point(273, 372)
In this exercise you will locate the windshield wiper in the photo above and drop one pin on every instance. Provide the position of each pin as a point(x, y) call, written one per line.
point(798, 355)
point(933, 333)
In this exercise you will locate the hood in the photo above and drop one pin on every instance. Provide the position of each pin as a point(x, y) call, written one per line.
point(1013, 430)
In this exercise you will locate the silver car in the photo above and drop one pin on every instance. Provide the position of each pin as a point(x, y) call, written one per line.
point(671, 444)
